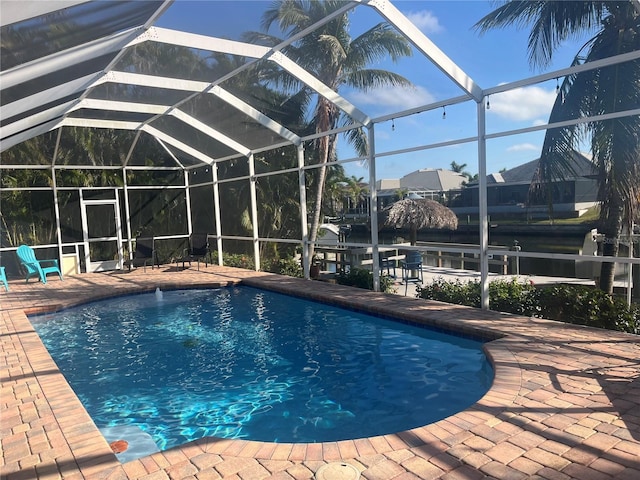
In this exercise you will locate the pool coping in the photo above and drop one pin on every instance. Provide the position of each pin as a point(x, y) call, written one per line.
point(564, 400)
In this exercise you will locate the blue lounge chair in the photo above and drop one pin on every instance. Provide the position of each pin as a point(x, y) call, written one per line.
point(3, 279)
point(35, 267)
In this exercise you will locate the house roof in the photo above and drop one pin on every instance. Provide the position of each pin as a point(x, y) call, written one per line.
point(426, 179)
point(433, 179)
point(523, 174)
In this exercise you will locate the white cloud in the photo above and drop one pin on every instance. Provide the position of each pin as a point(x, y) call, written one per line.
point(382, 134)
point(425, 21)
point(523, 104)
point(400, 98)
point(523, 147)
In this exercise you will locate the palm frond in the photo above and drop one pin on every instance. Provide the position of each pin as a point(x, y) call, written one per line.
point(557, 158)
point(551, 23)
point(245, 220)
point(357, 137)
point(368, 79)
point(376, 44)
point(260, 38)
point(290, 15)
point(333, 48)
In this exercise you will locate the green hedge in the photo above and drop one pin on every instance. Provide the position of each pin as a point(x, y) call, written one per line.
point(589, 306)
point(361, 278)
point(567, 303)
point(284, 266)
point(239, 260)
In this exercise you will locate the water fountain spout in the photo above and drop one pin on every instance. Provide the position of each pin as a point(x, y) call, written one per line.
point(159, 294)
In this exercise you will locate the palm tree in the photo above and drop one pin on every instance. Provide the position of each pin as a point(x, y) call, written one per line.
point(460, 168)
point(334, 190)
point(336, 60)
point(356, 190)
point(401, 193)
point(615, 143)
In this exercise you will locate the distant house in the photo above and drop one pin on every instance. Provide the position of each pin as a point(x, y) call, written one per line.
point(508, 192)
point(430, 183)
point(426, 183)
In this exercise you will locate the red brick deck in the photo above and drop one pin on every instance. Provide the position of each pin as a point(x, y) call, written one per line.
point(565, 403)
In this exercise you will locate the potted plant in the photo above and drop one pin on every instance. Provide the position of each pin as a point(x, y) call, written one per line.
point(314, 268)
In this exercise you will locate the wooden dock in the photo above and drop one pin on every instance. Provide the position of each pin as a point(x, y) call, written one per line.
point(337, 259)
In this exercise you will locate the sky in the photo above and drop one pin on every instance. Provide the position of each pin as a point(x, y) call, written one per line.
point(489, 59)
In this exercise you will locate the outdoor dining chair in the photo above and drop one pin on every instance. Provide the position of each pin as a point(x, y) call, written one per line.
point(411, 268)
point(143, 253)
point(387, 261)
point(35, 267)
point(198, 250)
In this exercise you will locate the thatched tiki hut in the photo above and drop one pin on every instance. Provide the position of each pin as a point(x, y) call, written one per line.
point(417, 213)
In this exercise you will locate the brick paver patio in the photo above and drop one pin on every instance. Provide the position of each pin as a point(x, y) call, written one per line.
point(565, 403)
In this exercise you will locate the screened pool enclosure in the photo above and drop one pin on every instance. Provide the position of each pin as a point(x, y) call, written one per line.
point(116, 126)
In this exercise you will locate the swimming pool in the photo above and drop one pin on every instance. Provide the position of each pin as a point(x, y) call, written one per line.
point(246, 363)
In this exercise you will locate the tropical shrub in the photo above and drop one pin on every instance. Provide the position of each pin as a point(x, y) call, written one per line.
point(514, 296)
point(589, 306)
point(361, 278)
point(284, 266)
point(456, 292)
point(504, 295)
point(239, 260)
point(576, 304)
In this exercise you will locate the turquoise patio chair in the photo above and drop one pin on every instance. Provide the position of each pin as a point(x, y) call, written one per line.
point(3, 279)
point(35, 267)
point(411, 269)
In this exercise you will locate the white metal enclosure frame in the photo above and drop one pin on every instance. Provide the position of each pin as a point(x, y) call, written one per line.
point(38, 103)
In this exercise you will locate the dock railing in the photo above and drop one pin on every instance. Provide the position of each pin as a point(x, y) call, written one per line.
point(455, 255)
point(466, 257)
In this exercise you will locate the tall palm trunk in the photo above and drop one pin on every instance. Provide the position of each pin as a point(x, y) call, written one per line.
point(611, 228)
point(324, 115)
point(317, 209)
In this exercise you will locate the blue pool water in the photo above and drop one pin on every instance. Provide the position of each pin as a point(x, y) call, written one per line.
point(245, 363)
